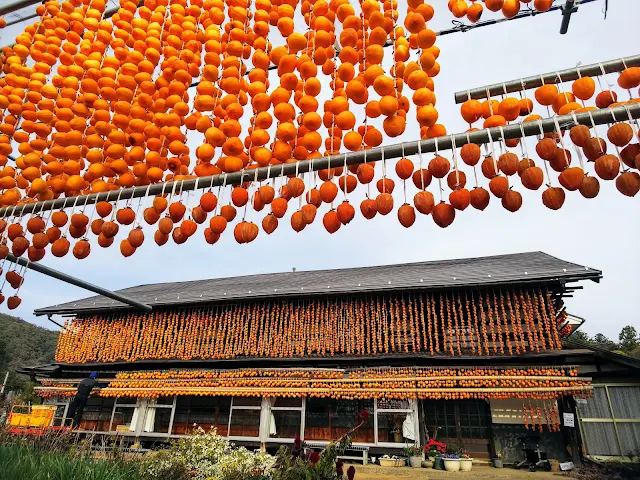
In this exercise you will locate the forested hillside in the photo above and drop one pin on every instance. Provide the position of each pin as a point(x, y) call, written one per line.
point(23, 344)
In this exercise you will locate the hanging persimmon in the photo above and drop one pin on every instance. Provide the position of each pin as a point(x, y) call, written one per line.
point(443, 214)
point(553, 198)
point(628, 183)
point(620, 134)
point(384, 203)
point(532, 178)
point(607, 167)
point(345, 212)
point(331, 221)
point(512, 200)
point(479, 198)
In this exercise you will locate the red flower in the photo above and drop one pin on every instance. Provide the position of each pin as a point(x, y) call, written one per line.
point(314, 457)
point(362, 417)
point(351, 472)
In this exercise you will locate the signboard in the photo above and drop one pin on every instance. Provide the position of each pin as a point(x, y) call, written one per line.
point(568, 419)
point(564, 466)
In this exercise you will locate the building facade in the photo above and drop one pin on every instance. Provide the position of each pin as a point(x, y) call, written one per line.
point(466, 351)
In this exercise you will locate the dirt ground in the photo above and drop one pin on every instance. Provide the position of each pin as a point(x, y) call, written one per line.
point(373, 472)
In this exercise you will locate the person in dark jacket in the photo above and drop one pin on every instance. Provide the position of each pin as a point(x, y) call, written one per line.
point(80, 400)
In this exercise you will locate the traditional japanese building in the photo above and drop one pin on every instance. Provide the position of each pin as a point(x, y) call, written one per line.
point(470, 351)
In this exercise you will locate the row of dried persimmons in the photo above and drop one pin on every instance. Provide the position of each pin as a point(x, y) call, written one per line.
point(389, 382)
point(508, 321)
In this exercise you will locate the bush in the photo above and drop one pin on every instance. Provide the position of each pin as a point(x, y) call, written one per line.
point(162, 465)
point(203, 456)
point(299, 463)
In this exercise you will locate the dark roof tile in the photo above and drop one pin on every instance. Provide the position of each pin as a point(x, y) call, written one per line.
point(495, 270)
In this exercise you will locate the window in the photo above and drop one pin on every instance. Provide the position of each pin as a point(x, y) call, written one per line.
point(97, 414)
point(396, 421)
point(287, 423)
point(245, 417)
point(286, 417)
point(458, 420)
point(159, 415)
point(205, 412)
point(317, 419)
point(330, 419)
point(58, 416)
point(125, 415)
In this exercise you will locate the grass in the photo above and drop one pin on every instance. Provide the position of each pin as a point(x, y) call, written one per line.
point(19, 462)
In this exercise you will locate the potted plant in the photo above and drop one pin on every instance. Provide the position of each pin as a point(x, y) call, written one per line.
point(451, 462)
point(497, 461)
point(387, 461)
point(434, 451)
point(452, 457)
point(466, 462)
point(415, 454)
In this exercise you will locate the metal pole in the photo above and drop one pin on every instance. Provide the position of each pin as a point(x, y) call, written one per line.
point(514, 130)
point(12, 7)
point(548, 78)
point(54, 322)
point(528, 13)
point(569, 8)
point(107, 14)
point(6, 377)
point(50, 272)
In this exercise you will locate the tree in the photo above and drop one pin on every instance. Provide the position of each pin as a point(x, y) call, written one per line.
point(3, 352)
point(581, 337)
point(628, 339)
point(603, 341)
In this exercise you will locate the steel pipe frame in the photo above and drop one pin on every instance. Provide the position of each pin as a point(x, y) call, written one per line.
point(109, 12)
point(12, 7)
point(528, 13)
point(398, 150)
point(50, 272)
point(535, 81)
point(569, 8)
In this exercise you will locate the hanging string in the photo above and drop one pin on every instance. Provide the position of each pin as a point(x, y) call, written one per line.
point(564, 151)
point(420, 162)
point(575, 148)
point(544, 162)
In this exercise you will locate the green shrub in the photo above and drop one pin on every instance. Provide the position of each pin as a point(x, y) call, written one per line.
point(163, 465)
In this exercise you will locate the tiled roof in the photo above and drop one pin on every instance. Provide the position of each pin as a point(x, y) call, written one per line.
point(468, 272)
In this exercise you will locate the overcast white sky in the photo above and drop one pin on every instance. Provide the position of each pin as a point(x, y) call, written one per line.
point(600, 233)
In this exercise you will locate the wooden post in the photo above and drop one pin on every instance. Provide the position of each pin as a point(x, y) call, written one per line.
point(422, 429)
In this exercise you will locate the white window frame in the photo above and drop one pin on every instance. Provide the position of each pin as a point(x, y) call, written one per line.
point(96, 431)
point(58, 403)
point(259, 408)
point(413, 408)
point(148, 406)
point(302, 409)
point(138, 405)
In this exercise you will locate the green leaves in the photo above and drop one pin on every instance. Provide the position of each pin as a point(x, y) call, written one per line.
point(19, 462)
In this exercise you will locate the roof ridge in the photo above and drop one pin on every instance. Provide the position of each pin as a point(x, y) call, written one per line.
point(364, 267)
point(511, 268)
